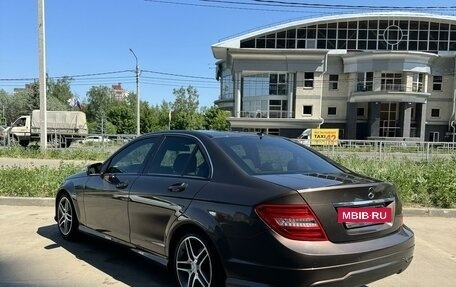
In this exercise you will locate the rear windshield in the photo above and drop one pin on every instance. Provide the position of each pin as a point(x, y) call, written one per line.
point(273, 155)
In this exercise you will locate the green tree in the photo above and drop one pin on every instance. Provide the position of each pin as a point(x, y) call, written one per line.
point(15, 105)
point(216, 119)
point(154, 118)
point(60, 90)
point(123, 118)
point(99, 100)
point(32, 93)
point(185, 115)
point(101, 125)
point(4, 104)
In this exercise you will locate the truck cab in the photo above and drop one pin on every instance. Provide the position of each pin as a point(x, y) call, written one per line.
point(304, 137)
point(20, 129)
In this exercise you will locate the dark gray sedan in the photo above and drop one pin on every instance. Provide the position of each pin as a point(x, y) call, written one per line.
point(235, 209)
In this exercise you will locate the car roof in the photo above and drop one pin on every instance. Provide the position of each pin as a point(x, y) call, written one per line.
point(207, 133)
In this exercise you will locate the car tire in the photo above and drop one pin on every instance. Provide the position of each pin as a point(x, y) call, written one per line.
point(195, 263)
point(67, 220)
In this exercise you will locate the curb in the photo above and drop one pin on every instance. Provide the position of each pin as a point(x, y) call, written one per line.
point(48, 201)
point(27, 201)
point(429, 212)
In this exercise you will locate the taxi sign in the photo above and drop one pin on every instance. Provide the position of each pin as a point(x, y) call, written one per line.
point(324, 137)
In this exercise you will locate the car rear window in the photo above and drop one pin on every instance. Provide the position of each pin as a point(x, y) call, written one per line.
point(273, 155)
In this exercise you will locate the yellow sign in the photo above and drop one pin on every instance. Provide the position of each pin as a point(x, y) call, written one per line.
point(324, 137)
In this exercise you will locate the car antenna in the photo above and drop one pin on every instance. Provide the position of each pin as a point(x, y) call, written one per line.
point(261, 133)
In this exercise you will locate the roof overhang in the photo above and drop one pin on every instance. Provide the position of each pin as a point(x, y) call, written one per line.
point(374, 61)
point(274, 123)
point(220, 49)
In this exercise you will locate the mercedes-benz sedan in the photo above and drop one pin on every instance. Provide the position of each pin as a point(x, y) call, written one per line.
point(235, 209)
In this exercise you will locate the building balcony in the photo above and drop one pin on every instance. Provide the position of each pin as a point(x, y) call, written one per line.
point(265, 114)
point(368, 92)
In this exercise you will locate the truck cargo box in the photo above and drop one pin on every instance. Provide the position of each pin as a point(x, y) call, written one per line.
point(68, 122)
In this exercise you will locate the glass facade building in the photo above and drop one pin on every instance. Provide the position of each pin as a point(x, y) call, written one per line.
point(374, 75)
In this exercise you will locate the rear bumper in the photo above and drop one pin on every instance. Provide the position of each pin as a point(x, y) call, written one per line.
point(351, 269)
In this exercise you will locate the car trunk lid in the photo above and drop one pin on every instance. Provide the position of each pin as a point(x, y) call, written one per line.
point(326, 194)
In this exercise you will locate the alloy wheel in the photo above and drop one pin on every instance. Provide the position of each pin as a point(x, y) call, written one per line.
point(65, 215)
point(193, 263)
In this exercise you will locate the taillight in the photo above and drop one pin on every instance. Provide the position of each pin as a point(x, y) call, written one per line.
point(292, 221)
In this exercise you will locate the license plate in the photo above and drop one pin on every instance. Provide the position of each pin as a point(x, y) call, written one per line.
point(363, 216)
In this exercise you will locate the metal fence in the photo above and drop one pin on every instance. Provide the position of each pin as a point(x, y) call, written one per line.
point(382, 149)
point(98, 142)
point(373, 149)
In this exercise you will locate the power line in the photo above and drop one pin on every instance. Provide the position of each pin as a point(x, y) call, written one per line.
point(93, 74)
point(338, 6)
point(275, 4)
point(220, 7)
point(177, 75)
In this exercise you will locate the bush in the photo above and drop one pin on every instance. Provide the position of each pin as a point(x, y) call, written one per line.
point(419, 183)
point(32, 152)
point(34, 181)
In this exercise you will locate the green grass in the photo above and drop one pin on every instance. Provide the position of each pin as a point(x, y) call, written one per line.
point(64, 154)
point(34, 181)
point(419, 183)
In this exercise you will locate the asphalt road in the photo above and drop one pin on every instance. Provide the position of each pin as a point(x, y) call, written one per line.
point(32, 253)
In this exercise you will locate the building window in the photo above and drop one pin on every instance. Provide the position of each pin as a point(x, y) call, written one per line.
point(434, 136)
point(278, 108)
point(332, 111)
point(417, 85)
point(307, 110)
point(256, 85)
point(371, 34)
point(392, 82)
point(365, 82)
point(360, 112)
point(333, 82)
point(435, 113)
point(227, 87)
point(437, 83)
point(278, 84)
point(308, 80)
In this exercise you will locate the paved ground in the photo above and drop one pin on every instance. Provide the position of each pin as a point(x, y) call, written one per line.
point(33, 254)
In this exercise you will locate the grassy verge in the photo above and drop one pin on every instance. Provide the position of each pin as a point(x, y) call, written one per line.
point(64, 154)
point(35, 181)
point(419, 183)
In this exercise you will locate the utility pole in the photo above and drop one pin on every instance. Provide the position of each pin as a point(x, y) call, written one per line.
point(138, 129)
point(42, 73)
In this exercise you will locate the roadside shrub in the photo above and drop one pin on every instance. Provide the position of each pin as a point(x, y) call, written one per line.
point(419, 183)
point(66, 154)
point(34, 181)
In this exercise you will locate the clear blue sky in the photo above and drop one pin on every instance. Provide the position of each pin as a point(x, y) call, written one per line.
point(94, 36)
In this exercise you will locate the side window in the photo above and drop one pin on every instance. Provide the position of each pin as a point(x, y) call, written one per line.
point(179, 156)
point(132, 158)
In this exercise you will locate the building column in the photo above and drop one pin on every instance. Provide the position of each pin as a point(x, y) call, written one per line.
point(405, 119)
point(237, 95)
point(291, 86)
point(425, 83)
point(352, 116)
point(421, 120)
point(374, 119)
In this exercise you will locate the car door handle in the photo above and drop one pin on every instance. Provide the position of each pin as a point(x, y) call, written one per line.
point(178, 187)
point(122, 185)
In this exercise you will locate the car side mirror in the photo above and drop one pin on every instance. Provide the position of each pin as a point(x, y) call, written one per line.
point(94, 168)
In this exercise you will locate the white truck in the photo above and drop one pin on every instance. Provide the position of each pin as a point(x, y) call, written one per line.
point(63, 127)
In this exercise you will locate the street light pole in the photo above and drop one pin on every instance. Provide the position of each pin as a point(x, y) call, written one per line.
point(42, 73)
point(138, 130)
